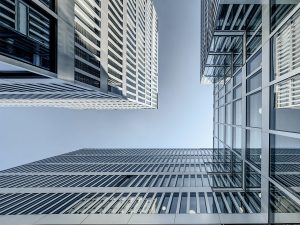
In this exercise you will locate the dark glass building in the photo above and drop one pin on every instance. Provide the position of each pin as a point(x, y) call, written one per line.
point(250, 54)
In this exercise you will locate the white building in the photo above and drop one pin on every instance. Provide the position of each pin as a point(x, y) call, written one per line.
point(79, 54)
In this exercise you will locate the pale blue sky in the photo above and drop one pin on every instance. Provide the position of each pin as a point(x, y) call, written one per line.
point(184, 118)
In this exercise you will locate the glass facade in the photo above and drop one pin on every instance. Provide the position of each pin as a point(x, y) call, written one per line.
point(134, 182)
point(260, 134)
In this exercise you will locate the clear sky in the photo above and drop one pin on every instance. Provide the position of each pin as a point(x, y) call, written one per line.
point(183, 120)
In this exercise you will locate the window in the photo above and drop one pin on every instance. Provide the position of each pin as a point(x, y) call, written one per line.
point(254, 62)
point(237, 79)
point(183, 203)
point(237, 92)
point(285, 41)
point(228, 136)
point(193, 203)
point(237, 112)
point(279, 11)
point(237, 139)
point(254, 110)
point(254, 82)
point(253, 147)
point(164, 205)
point(228, 114)
point(174, 203)
point(284, 161)
point(202, 203)
point(285, 105)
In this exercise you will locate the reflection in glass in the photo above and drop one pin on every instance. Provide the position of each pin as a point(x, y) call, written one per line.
point(280, 202)
point(193, 203)
point(285, 110)
point(284, 161)
point(183, 203)
point(254, 110)
point(254, 62)
point(279, 10)
point(253, 147)
point(237, 140)
point(212, 204)
point(174, 203)
point(164, 205)
point(254, 82)
point(237, 112)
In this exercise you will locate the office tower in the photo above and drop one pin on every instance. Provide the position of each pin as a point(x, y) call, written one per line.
point(250, 52)
point(133, 186)
point(100, 54)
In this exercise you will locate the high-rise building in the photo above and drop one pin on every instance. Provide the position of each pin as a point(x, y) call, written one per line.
point(135, 186)
point(82, 54)
point(250, 52)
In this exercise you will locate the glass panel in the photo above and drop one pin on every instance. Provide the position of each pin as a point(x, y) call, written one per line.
point(237, 112)
point(183, 203)
point(237, 92)
point(198, 181)
point(193, 203)
point(172, 181)
point(174, 203)
point(285, 105)
point(279, 10)
point(254, 62)
point(254, 110)
point(193, 181)
point(252, 178)
point(202, 203)
point(284, 160)
point(254, 82)
point(221, 203)
point(212, 204)
point(254, 43)
point(158, 181)
point(281, 203)
point(228, 135)
point(164, 205)
point(230, 202)
point(228, 113)
point(237, 79)
point(166, 181)
point(285, 50)
point(155, 203)
point(253, 148)
point(253, 200)
point(186, 182)
point(241, 205)
point(179, 181)
point(237, 140)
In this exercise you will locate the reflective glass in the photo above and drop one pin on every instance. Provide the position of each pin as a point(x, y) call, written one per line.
point(254, 110)
point(285, 111)
point(254, 82)
point(253, 147)
point(237, 112)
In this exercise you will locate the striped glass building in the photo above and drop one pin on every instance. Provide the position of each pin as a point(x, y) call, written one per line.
point(135, 186)
point(250, 53)
point(100, 54)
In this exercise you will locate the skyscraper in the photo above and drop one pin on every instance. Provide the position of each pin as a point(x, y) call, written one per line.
point(250, 53)
point(134, 186)
point(79, 54)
